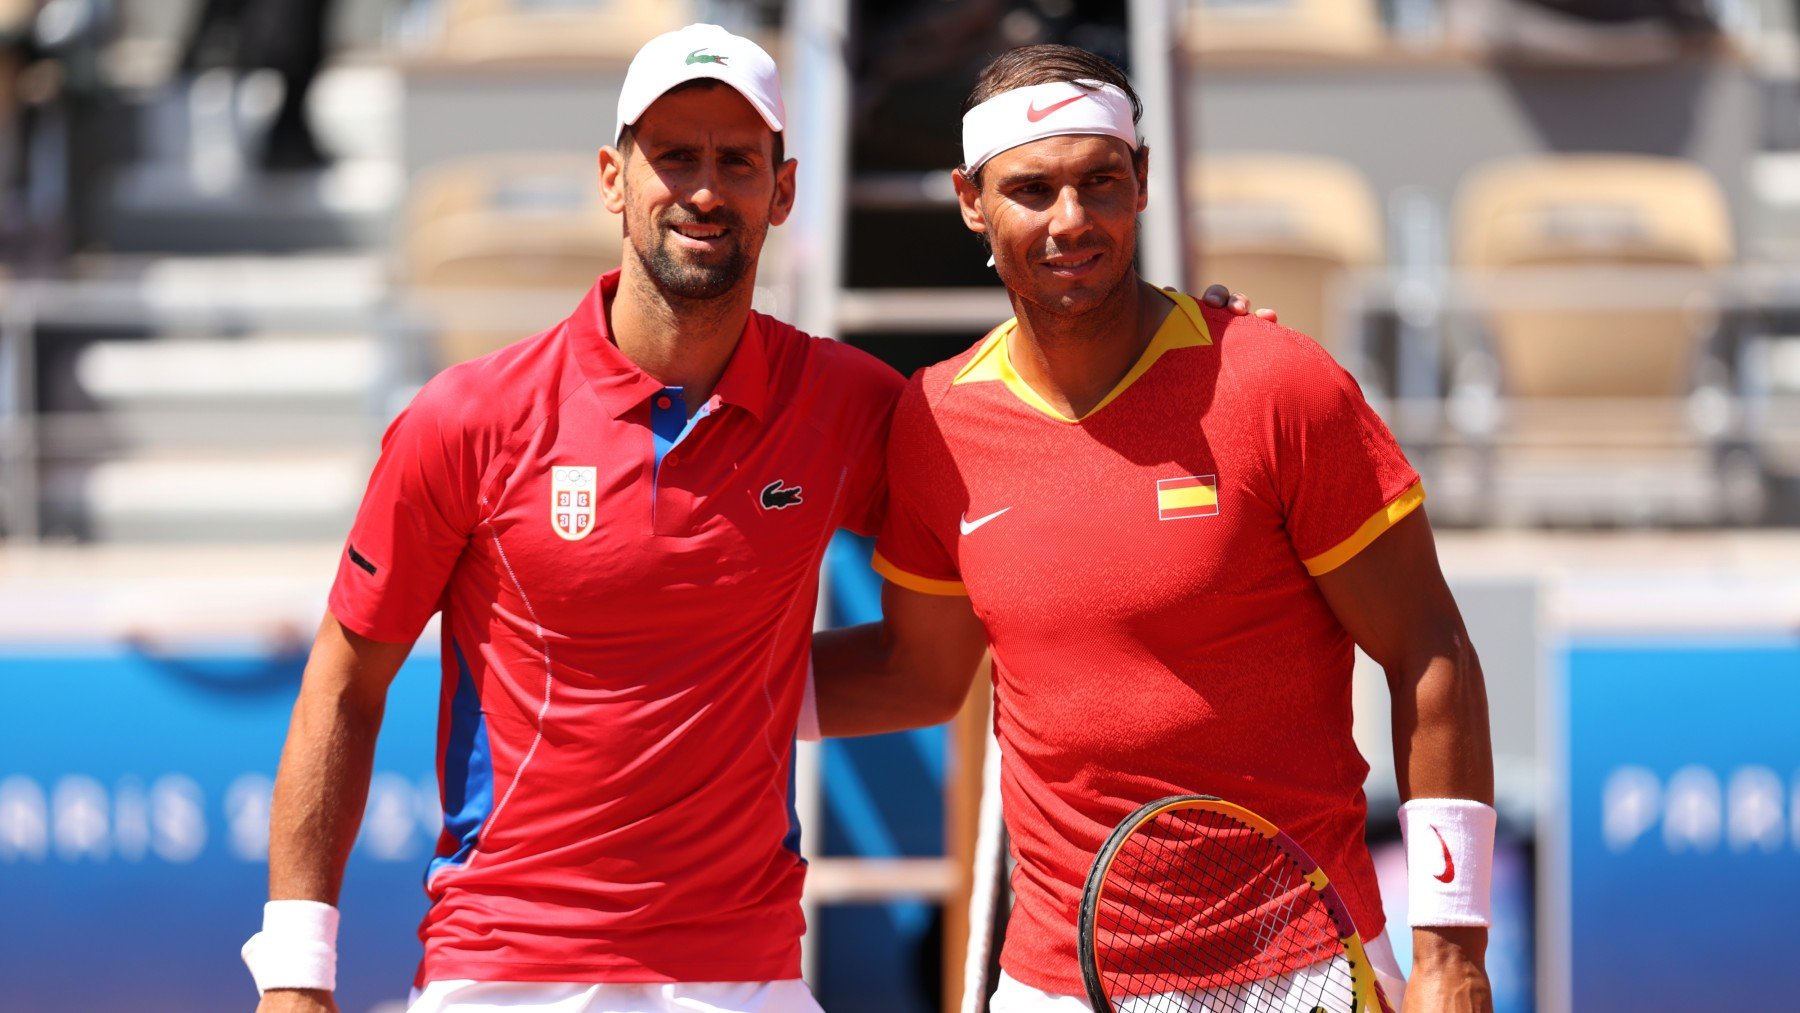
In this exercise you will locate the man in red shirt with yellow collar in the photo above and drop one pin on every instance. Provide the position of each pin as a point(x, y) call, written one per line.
point(1172, 527)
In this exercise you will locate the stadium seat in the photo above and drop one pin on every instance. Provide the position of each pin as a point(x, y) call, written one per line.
point(1285, 27)
point(494, 30)
point(1564, 247)
point(1588, 213)
point(485, 234)
point(1595, 33)
point(1285, 229)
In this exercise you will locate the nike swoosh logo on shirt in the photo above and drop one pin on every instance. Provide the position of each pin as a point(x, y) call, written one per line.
point(1034, 114)
point(969, 526)
point(1449, 872)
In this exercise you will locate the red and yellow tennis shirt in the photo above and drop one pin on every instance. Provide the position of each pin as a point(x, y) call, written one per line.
point(627, 599)
point(1145, 574)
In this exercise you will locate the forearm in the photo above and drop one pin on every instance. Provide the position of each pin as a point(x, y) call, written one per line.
point(912, 669)
point(320, 791)
point(323, 782)
point(1442, 751)
point(866, 685)
point(1393, 600)
point(1441, 744)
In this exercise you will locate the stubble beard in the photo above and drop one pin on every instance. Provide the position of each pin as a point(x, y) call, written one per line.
point(687, 280)
point(1088, 317)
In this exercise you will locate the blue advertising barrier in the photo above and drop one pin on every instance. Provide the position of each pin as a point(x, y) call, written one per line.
point(1682, 824)
point(134, 794)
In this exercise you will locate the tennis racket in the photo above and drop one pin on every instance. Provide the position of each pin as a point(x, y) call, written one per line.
point(1195, 904)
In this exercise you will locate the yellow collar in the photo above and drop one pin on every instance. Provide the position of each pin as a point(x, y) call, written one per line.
point(1184, 328)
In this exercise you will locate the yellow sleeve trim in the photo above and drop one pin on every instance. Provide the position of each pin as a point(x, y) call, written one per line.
point(914, 582)
point(1371, 529)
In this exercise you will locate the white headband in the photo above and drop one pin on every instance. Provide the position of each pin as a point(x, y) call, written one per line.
point(1037, 111)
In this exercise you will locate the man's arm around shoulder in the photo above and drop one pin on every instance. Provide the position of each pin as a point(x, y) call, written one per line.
point(323, 782)
point(1393, 600)
point(912, 669)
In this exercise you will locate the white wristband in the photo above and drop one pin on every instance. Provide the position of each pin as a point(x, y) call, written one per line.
point(297, 947)
point(808, 728)
point(1449, 861)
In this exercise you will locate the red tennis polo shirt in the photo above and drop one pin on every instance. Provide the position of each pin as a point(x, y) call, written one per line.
point(1145, 574)
point(627, 599)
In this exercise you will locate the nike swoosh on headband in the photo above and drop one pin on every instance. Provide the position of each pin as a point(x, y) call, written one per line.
point(1034, 114)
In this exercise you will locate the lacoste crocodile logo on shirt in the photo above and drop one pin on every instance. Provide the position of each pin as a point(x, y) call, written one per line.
point(774, 497)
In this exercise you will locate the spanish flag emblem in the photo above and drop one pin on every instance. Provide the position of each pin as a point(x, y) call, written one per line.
point(1188, 496)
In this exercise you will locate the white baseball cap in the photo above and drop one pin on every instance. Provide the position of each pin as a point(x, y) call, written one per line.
point(695, 52)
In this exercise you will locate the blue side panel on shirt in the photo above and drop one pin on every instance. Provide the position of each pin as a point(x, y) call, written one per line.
point(468, 769)
point(792, 840)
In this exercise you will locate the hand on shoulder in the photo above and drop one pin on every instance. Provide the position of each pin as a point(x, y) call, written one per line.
point(1220, 297)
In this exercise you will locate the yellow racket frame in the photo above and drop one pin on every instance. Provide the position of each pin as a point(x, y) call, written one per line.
point(1367, 996)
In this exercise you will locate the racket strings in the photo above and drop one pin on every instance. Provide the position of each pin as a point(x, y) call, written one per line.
point(1238, 975)
point(1201, 912)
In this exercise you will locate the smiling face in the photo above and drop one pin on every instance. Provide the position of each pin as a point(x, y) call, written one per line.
point(699, 188)
point(1060, 215)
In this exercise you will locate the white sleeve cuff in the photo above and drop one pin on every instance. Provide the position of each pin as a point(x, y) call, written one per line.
point(1449, 861)
point(297, 947)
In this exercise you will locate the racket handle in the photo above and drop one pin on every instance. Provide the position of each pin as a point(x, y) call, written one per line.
point(984, 894)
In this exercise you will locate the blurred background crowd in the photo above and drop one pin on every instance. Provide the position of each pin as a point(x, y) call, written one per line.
point(1557, 241)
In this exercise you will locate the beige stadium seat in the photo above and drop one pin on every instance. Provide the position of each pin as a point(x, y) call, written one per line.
point(1608, 216)
point(1285, 229)
point(524, 231)
point(1285, 27)
point(1600, 278)
point(498, 30)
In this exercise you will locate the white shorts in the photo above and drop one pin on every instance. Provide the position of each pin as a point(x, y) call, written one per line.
point(1014, 996)
point(464, 996)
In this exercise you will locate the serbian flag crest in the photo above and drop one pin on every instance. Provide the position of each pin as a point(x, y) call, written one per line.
point(1187, 496)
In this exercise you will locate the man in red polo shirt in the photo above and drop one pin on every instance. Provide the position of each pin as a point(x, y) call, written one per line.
point(621, 520)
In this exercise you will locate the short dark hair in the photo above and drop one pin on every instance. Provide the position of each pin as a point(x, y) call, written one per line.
point(1045, 64)
point(625, 142)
